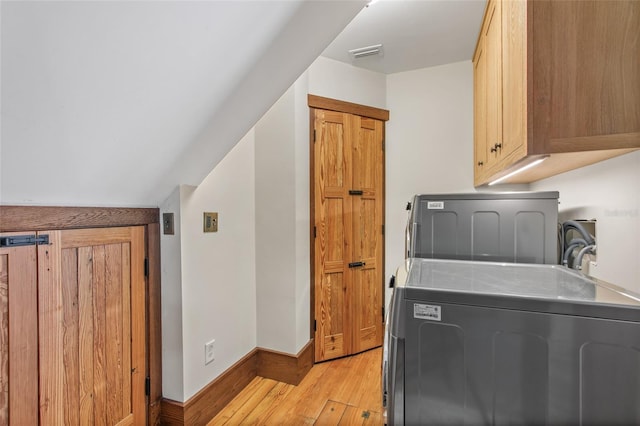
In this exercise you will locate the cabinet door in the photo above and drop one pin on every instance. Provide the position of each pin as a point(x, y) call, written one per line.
point(514, 81)
point(480, 111)
point(18, 336)
point(92, 327)
point(493, 34)
point(594, 74)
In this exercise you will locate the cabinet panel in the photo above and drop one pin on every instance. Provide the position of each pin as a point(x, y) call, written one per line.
point(569, 83)
point(493, 51)
point(514, 79)
point(19, 336)
point(480, 109)
point(597, 88)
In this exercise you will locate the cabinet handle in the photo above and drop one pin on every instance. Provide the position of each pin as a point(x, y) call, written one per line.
point(356, 264)
point(355, 192)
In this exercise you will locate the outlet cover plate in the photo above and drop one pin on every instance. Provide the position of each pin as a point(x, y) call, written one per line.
point(209, 354)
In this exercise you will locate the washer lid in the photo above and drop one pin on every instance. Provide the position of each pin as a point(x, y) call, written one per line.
point(547, 288)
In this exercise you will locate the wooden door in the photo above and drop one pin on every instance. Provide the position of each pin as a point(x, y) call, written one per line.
point(92, 327)
point(493, 51)
point(18, 335)
point(367, 238)
point(480, 110)
point(514, 79)
point(348, 246)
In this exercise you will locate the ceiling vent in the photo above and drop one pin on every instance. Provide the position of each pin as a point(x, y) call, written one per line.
point(361, 52)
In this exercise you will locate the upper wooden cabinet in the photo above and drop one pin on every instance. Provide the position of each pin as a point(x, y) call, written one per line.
point(558, 79)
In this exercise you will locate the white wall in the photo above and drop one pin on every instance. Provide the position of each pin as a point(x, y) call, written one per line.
point(337, 80)
point(282, 199)
point(213, 275)
point(609, 192)
point(429, 146)
point(171, 297)
point(276, 226)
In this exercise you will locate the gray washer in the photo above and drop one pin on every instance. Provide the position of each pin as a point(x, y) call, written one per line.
point(510, 344)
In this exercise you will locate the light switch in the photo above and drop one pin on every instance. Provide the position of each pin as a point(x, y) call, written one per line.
point(167, 223)
point(210, 222)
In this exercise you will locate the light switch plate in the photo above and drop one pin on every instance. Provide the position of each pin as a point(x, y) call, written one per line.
point(167, 224)
point(210, 222)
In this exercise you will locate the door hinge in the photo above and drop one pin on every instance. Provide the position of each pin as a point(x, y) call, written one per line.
point(24, 240)
point(146, 267)
point(147, 386)
point(314, 326)
point(314, 232)
point(383, 142)
point(383, 314)
point(382, 229)
point(314, 135)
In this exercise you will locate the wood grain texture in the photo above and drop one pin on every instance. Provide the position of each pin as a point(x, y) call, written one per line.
point(155, 323)
point(85, 338)
point(595, 72)
point(171, 413)
point(333, 223)
point(574, 64)
point(4, 339)
point(138, 327)
point(348, 156)
point(37, 218)
point(51, 333)
point(514, 78)
point(92, 328)
point(343, 391)
point(19, 336)
point(70, 337)
point(320, 102)
point(285, 367)
point(208, 402)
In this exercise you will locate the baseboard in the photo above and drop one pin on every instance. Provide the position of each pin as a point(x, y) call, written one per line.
point(285, 367)
point(208, 402)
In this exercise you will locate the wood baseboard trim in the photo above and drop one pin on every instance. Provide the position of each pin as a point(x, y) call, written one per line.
point(208, 402)
point(203, 406)
point(284, 367)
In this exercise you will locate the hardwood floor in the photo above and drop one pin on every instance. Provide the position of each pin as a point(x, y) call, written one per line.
point(346, 391)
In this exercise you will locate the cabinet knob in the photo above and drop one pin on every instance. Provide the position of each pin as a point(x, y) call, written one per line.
point(480, 163)
point(493, 148)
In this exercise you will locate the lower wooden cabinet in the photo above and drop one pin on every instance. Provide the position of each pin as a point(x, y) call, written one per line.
point(73, 327)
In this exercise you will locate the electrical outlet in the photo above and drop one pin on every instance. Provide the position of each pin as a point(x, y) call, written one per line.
point(209, 354)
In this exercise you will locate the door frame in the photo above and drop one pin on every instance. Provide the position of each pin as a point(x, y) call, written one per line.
point(318, 102)
point(43, 218)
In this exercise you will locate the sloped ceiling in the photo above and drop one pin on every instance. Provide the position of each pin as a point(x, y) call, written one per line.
point(116, 103)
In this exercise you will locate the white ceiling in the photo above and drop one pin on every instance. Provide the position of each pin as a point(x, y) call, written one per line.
point(118, 102)
point(414, 34)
